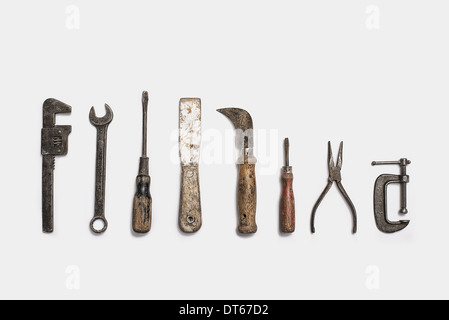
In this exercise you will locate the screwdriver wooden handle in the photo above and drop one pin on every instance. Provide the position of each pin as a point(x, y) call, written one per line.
point(247, 198)
point(190, 219)
point(142, 204)
point(287, 217)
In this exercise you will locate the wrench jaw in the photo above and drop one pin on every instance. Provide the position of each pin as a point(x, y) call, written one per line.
point(106, 119)
point(51, 108)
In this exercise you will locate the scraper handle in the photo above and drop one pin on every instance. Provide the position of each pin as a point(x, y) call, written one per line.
point(190, 219)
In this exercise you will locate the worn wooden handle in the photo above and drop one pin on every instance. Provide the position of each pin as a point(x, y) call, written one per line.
point(247, 198)
point(287, 215)
point(142, 205)
point(190, 219)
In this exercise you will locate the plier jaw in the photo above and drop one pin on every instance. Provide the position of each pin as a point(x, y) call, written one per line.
point(335, 171)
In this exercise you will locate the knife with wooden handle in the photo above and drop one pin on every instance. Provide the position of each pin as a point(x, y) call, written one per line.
point(190, 216)
point(247, 190)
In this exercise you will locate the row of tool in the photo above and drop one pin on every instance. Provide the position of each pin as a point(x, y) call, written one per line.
point(55, 143)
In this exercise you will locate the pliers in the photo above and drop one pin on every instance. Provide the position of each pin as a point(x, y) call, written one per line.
point(335, 176)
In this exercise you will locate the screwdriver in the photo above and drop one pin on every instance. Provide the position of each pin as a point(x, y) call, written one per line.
point(287, 214)
point(142, 205)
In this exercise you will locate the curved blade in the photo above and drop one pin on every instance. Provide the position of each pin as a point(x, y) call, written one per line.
point(240, 118)
point(242, 122)
point(190, 131)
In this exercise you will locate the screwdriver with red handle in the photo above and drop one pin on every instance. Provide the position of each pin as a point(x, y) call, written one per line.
point(287, 214)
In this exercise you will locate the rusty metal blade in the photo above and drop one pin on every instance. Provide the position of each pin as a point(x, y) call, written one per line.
point(240, 118)
point(190, 130)
point(243, 124)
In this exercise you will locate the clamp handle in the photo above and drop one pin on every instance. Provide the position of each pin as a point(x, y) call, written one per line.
point(402, 162)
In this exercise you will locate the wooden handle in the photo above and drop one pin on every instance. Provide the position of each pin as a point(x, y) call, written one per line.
point(287, 204)
point(247, 198)
point(190, 219)
point(142, 205)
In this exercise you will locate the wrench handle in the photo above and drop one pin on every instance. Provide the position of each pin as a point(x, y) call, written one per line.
point(247, 198)
point(100, 176)
point(100, 179)
point(48, 167)
point(287, 204)
point(190, 216)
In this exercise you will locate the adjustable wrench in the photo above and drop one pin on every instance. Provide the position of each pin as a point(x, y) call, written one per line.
point(54, 143)
point(102, 125)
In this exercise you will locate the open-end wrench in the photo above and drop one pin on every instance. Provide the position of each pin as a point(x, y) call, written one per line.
point(102, 125)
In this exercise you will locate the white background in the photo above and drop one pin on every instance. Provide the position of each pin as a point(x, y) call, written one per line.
point(310, 70)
